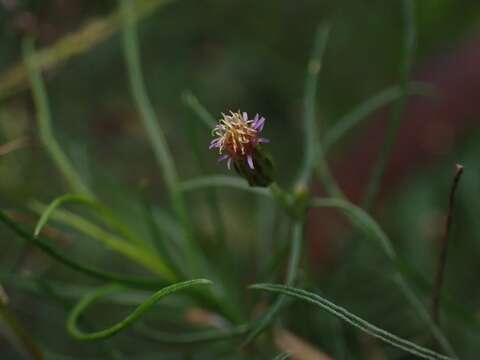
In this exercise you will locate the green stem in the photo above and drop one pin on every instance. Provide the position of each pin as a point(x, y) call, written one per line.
point(293, 265)
point(347, 122)
point(311, 130)
point(155, 132)
point(409, 42)
point(45, 123)
point(203, 114)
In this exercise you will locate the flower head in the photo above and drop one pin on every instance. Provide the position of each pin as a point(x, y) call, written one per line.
point(237, 137)
point(238, 140)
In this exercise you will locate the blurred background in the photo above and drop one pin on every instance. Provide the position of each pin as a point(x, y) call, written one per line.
point(252, 55)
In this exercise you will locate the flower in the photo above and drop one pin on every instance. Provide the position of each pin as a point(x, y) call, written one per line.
point(238, 141)
point(238, 137)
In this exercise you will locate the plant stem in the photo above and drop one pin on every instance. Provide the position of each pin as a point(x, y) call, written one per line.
point(155, 132)
point(45, 123)
point(409, 42)
point(311, 131)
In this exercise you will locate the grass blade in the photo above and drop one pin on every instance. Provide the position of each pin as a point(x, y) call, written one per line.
point(352, 319)
point(84, 303)
point(45, 123)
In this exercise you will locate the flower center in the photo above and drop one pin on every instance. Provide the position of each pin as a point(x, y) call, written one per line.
point(236, 136)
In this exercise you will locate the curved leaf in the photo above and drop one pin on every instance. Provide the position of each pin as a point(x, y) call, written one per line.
point(86, 301)
point(105, 214)
point(221, 181)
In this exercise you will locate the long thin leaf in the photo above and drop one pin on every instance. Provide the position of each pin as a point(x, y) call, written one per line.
point(353, 320)
point(221, 181)
point(346, 123)
point(364, 221)
point(79, 266)
point(409, 42)
point(140, 255)
point(84, 303)
point(361, 219)
point(154, 132)
point(105, 214)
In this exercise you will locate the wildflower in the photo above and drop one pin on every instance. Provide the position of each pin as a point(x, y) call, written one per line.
point(238, 141)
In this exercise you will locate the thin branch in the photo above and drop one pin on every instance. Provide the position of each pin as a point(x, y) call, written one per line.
point(442, 258)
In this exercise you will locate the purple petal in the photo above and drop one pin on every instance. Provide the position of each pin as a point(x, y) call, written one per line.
point(229, 163)
point(263, 141)
point(258, 124)
point(214, 143)
point(250, 161)
point(223, 157)
point(245, 116)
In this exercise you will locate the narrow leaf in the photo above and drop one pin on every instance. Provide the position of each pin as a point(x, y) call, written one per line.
point(84, 303)
point(352, 319)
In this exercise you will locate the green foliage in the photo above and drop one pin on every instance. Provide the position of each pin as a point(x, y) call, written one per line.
point(194, 232)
